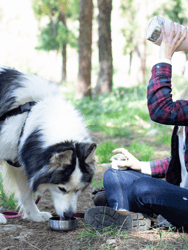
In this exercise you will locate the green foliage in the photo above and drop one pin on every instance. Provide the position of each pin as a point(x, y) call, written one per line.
point(53, 36)
point(145, 151)
point(96, 184)
point(175, 10)
point(129, 13)
point(5, 201)
point(47, 7)
point(117, 108)
point(47, 39)
point(55, 33)
point(104, 151)
point(115, 115)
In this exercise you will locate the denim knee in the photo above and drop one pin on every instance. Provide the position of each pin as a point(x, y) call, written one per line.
point(139, 195)
point(108, 177)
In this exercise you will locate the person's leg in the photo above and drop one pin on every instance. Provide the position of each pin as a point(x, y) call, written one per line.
point(117, 184)
point(152, 195)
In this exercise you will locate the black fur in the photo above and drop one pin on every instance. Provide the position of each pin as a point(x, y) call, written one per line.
point(10, 80)
point(35, 158)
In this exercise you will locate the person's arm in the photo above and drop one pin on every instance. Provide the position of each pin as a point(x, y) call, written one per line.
point(156, 168)
point(161, 107)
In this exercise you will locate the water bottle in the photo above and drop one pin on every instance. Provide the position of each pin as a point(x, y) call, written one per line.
point(154, 32)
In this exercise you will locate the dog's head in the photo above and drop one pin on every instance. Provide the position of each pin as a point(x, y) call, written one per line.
point(70, 170)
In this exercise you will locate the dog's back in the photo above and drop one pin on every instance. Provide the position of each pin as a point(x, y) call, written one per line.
point(17, 88)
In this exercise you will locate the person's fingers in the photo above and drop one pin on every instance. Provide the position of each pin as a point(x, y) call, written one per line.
point(172, 30)
point(120, 150)
point(122, 156)
point(181, 39)
point(163, 31)
point(178, 33)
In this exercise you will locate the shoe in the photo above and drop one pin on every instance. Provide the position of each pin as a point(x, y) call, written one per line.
point(99, 197)
point(161, 221)
point(101, 217)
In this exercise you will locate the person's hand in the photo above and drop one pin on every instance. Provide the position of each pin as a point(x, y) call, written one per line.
point(130, 162)
point(171, 41)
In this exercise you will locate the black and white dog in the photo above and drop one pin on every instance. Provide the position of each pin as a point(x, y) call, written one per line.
point(44, 144)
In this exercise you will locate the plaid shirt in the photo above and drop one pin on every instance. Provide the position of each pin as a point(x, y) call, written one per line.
point(163, 110)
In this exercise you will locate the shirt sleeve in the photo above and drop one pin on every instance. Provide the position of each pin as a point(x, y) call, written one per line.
point(159, 167)
point(156, 168)
point(161, 107)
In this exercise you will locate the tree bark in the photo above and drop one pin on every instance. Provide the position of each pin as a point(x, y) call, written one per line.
point(85, 42)
point(104, 81)
point(64, 63)
point(63, 18)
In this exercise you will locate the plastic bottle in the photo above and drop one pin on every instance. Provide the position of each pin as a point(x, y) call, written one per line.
point(154, 33)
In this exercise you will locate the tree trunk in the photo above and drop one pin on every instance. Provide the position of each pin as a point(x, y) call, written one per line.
point(104, 81)
point(64, 63)
point(63, 18)
point(85, 42)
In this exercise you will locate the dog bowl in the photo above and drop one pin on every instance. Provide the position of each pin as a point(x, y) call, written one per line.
point(62, 225)
point(11, 214)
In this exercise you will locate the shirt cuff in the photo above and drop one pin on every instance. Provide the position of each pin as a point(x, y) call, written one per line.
point(145, 167)
point(164, 60)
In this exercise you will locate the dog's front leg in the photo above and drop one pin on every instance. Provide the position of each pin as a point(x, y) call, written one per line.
point(31, 210)
point(15, 181)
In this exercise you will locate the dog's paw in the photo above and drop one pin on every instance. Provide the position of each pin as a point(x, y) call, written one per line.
point(39, 217)
point(3, 220)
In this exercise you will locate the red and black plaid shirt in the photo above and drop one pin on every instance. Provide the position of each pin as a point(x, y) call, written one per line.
point(163, 110)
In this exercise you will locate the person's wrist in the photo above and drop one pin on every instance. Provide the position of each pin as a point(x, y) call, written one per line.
point(139, 166)
point(168, 57)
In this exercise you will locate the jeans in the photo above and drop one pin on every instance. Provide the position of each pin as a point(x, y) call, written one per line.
point(142, 193)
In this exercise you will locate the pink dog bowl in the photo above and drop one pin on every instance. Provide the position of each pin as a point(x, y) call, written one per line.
point(11, 214)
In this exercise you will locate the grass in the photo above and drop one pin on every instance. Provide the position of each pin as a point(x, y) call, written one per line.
point(123, 117)
point(113, 238)
point(122, 114)
point(6, 201)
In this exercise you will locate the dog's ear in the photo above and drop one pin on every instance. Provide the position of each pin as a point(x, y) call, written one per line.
point(90, 154)
point(61, 159)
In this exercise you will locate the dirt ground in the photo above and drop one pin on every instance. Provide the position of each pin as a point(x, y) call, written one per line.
point(33, 235)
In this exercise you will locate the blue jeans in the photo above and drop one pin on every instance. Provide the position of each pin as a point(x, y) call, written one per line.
point(142, 193)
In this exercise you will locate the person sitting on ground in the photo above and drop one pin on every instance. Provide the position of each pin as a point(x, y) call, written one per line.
point(133, 194)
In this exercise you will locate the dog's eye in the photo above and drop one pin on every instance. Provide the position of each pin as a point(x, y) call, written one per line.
point(62, 189)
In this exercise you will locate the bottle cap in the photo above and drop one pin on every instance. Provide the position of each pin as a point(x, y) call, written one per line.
point(153, 31)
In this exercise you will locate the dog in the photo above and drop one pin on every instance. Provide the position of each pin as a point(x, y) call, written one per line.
point(44, 145)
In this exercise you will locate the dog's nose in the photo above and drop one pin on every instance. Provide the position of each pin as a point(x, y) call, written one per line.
point(68, 214)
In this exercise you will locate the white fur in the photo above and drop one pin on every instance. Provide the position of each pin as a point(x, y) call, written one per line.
point(15, 181)
point(9, 136)
point(65, 202)
point(59, 122)
point(3, 220)
point(35, 88)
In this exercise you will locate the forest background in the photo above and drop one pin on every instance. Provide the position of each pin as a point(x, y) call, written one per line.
point(118, 118)
point(22, 30)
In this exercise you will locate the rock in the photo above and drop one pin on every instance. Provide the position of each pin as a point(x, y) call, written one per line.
point(111, 241)
point(131, 137)
point(9, 227)
point(152, 132)
point(104, 166)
